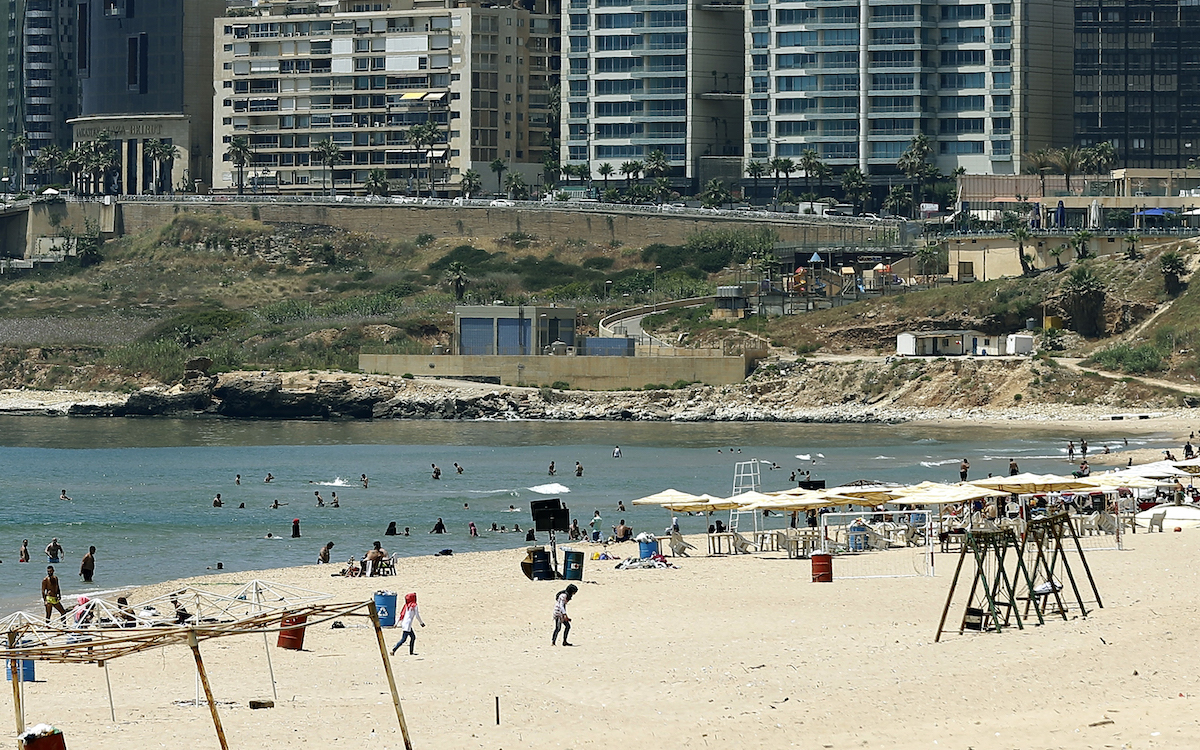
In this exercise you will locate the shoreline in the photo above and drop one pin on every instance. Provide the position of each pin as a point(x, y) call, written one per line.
point(446, 401)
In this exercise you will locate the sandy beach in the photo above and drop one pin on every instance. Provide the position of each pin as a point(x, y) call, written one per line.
point(732, 651)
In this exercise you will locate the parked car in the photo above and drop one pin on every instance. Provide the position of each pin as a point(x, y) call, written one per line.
point(502, 202)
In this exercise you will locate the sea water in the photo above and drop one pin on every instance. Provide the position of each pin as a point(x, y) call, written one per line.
point(141, 490)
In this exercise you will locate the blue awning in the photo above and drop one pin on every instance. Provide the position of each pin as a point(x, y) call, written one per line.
point(1155, 212)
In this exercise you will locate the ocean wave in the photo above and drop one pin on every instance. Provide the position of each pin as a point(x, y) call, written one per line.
point(554, 488)
point(884, 458)
point(509, 492)
point(337, 482)
point(943, 462)
point(928, 441)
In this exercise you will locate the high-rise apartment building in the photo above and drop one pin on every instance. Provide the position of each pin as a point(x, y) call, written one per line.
point(141, 69)
point(39, 84)
point(856, 80)
point(654, 75)
point(1137, 80)
point(363, 75)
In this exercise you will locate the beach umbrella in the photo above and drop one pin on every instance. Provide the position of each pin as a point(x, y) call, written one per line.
point(1028, 483)
point(666, 496)
point(1118, 479)
point(934, 493)
point(1156, 470)
point(702, 504)
point(875, 493)
point(1190, 465)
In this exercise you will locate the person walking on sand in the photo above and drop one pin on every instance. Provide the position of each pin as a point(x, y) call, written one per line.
point(561, 620)
point(54, 551)
point(406, 617)
point(51, 593)
point(1013, 470)
point(963, 468)
point(87, 568)
point(24, 556)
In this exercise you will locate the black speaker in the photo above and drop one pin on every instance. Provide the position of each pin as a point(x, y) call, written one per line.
point(557, 519)
point(536, 506)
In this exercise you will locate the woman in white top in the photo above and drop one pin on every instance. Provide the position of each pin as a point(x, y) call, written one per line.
point(561, 620)
point(407, 615)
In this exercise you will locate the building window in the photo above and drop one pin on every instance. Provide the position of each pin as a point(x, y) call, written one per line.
point(1002, 57)
point(952, 148)
point(1002, 148)
point(1002, 80)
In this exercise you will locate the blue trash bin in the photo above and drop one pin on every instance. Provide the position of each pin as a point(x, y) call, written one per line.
point(647, 549)
point(385, 606)
point(27, 670)
point(857, 538)
point(541, 565)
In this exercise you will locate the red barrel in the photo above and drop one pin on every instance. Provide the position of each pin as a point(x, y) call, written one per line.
point(822, 567)
point(46, 742)
point(294, 638)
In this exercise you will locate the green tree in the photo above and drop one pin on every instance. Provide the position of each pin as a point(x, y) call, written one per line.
point(1069, 160)
point(1131, 246)
point(1082, 242)
point(1056, 253)
point(160, 153)
point(605, 170)
point(19, 146)
point(328, 153)
point(377, 183)
point(788, 167)
point(48, 162)
point(100, 159)
point(855, 188)
point(928, 258)
point(656, 164)
point(471, 183)
point(1040, 163)
point(914, 163)
point(662, 189)
point(422, 136)
point(776, 166)
point(239, 153)
point(1100, 158)
point(808, 164)
point(516, 187)
point(1083, 298)
point(755, 170)
point(714, 194)
point(1173, 268)
point(498, 168)
point(629, 169)
point(456, 277)
point(898, 200)
point(1021, 235)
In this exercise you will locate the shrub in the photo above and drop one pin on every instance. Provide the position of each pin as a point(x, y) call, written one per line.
point(425, 239)
point(561, 385)
point(407, 376)
point(1132, 359)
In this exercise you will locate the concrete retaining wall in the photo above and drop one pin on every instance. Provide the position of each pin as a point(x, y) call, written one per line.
point(589, 373)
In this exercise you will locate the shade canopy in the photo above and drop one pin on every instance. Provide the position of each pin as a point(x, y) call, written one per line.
point(936, 493)
point(1026, 483)
point(668, 495)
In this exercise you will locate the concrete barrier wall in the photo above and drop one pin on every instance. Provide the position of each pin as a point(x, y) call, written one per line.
point(589, 373)
point(406, 222)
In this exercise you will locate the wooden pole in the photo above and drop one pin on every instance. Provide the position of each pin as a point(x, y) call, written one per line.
point(387, 668)
point(962, 555)
point(212, 705)
point(15, 666)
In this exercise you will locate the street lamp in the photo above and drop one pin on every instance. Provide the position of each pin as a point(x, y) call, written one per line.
point(654, 289)
point(608, 289)
point(5, 181)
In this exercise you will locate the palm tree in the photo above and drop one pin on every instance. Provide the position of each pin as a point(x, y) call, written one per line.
point(1021, 235)
point(808, 164)
point(854, 187)
point(714, 194)
point(1083, 298)
point(328, 153)
point(1101, 157)
point(515, 186)
point(776, 166)
point(159, 153)
point(552, 169)
point(605, 170)
point(1082, 242)
point(657, 164)
point(456, 277)
point(377, 183)
point(898, 200)
point(629, 169)
point(1069, 160)
point(498, 168)
point(100, 159)
point(470, 183)
point(239, 153)
point(788, 166)
point(1040, 163)
point(49, 162)
point(1056, 253)
point(73, 162)
point(1173, 268)
point(422, 137)
point(662, 189)
point(914, 163)
point(584, 173)
point(1132, 240)
point(755, 170)
point(927, 256)
point(19, 146)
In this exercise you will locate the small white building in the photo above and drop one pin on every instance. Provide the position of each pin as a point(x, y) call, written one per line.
point(961, 343)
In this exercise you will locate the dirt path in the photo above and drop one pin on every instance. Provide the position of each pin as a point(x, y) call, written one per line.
point(1073, 363)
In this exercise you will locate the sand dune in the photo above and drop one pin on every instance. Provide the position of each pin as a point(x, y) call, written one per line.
point(722, 652)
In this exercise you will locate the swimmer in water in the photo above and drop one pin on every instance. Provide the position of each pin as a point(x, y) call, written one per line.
point(335, 501)
point(457, 469)
point(217, 502)
point(237, 479)
point(270, 478)
point(276, 504)
point(320, 500)
point(364, 481)
point(437, 473)
point(63, 495)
